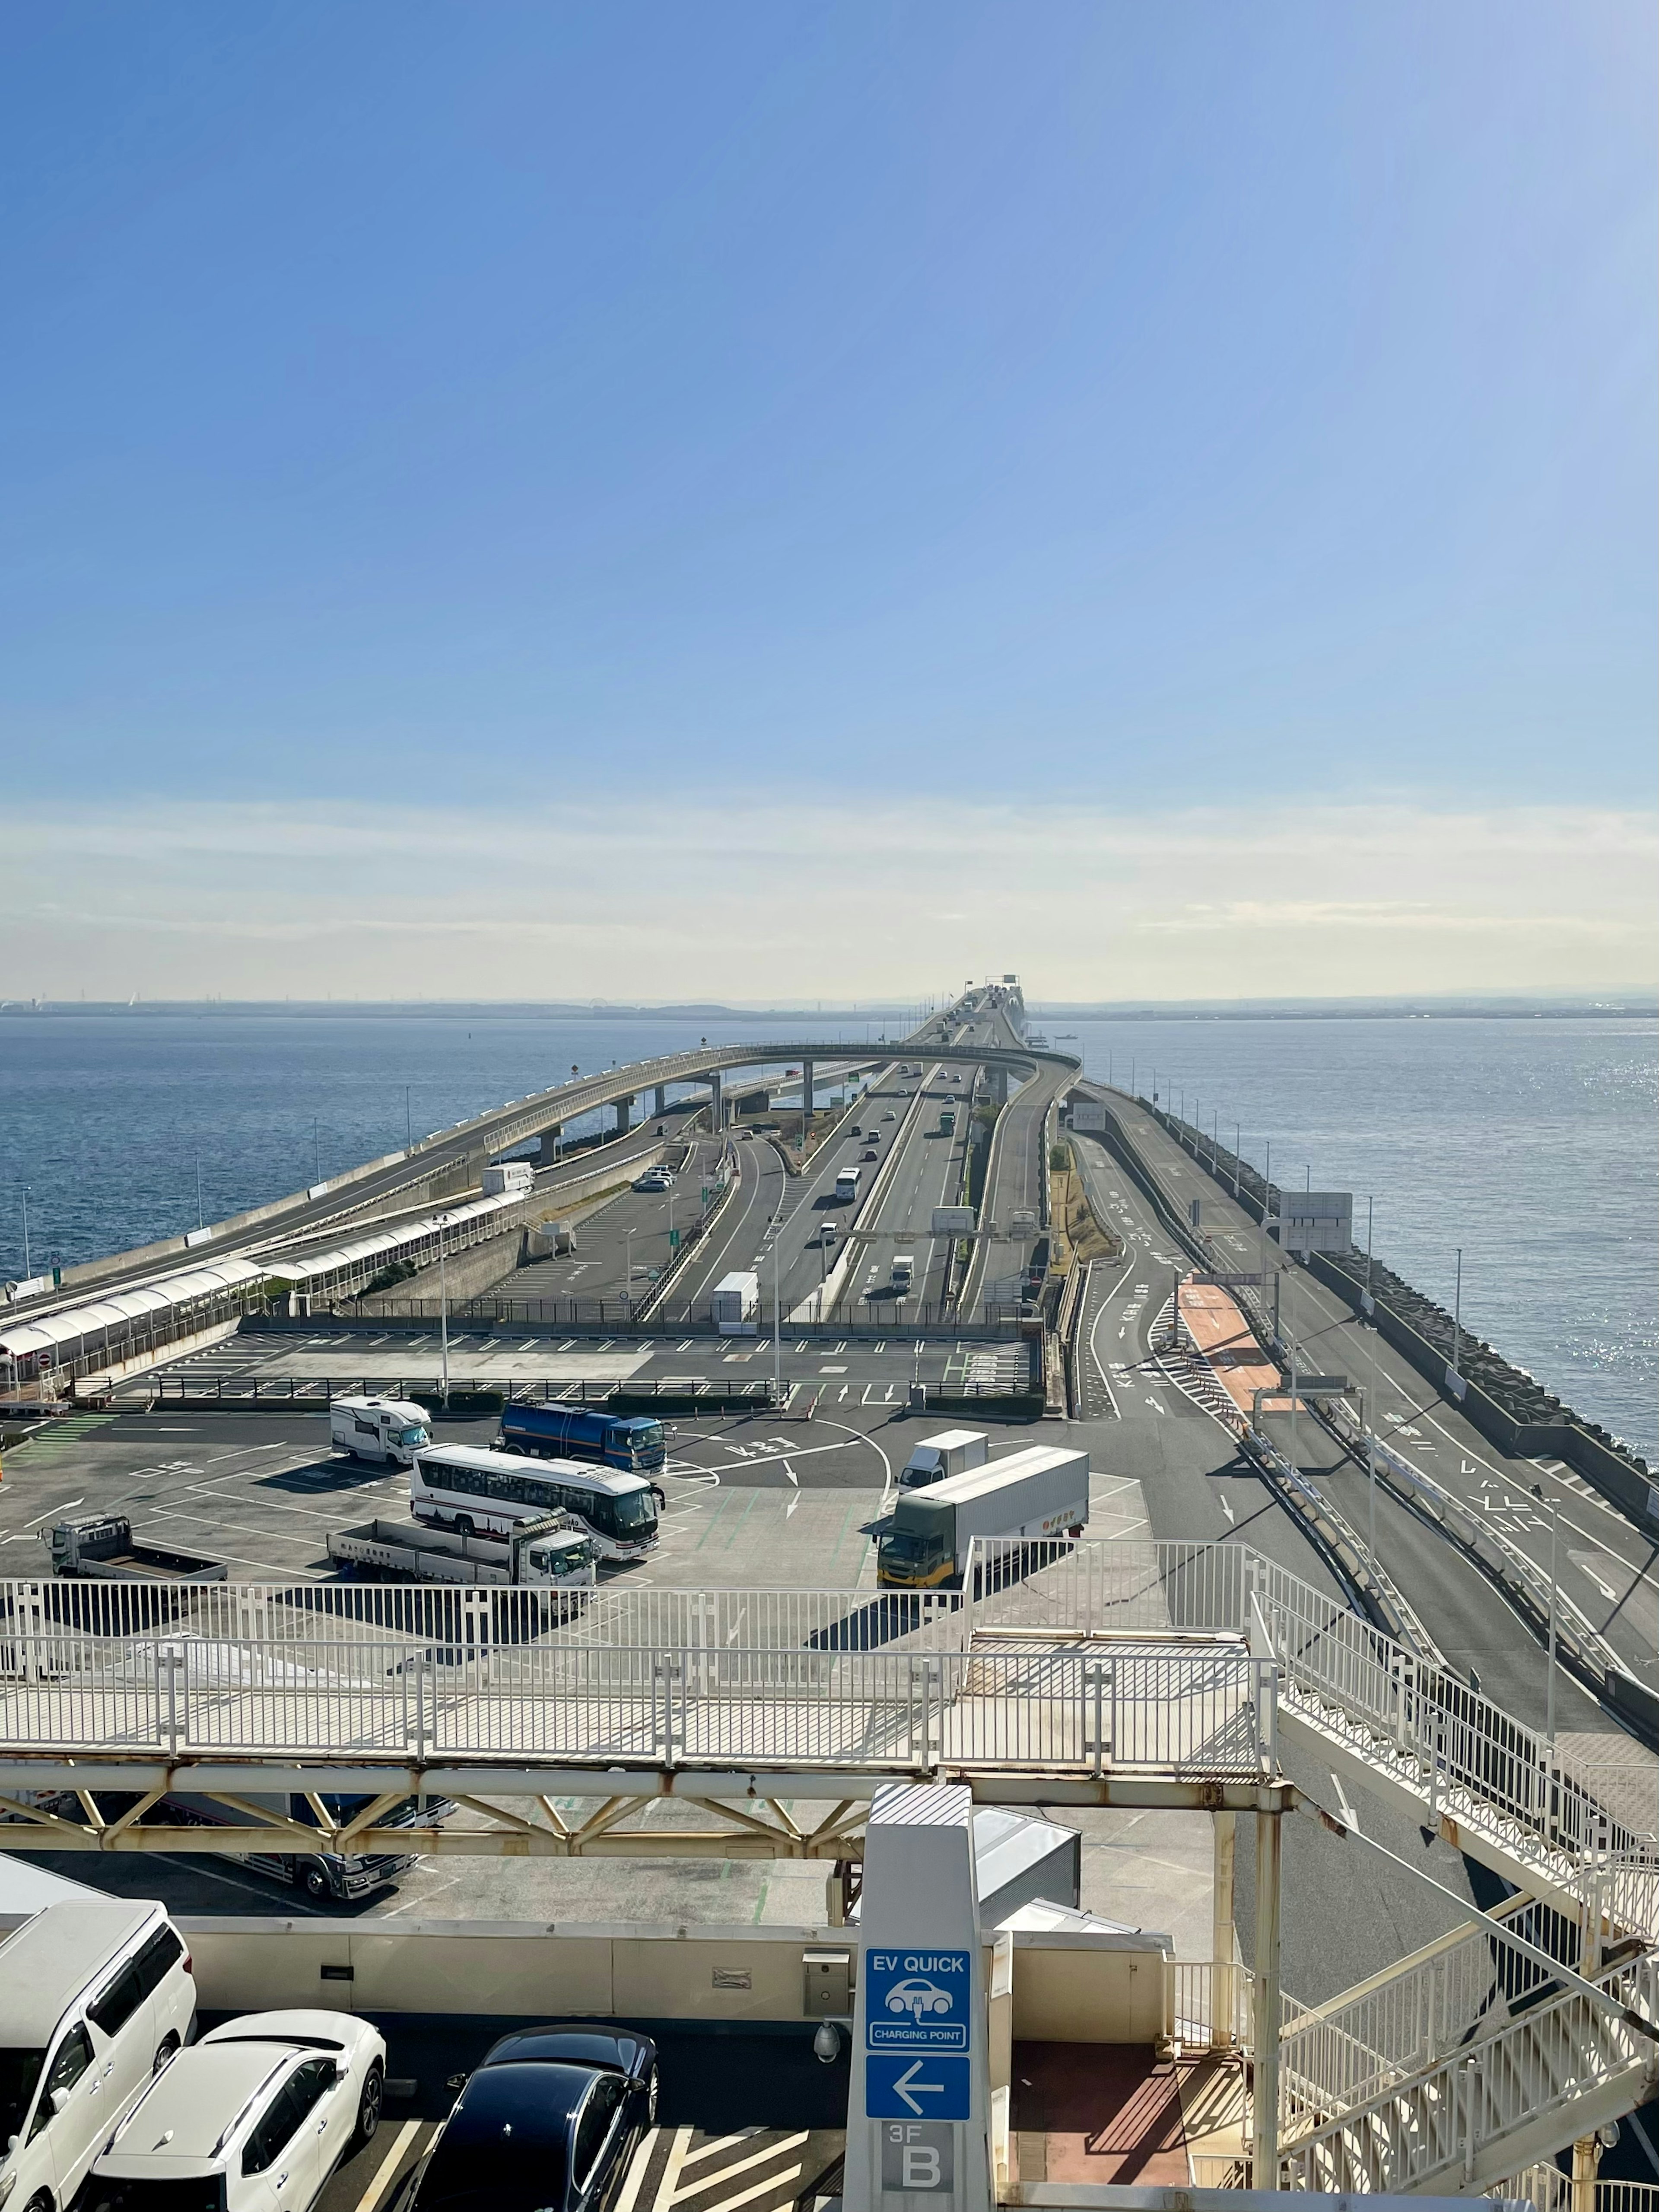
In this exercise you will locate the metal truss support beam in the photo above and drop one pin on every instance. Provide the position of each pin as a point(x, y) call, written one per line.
point(743, 1816)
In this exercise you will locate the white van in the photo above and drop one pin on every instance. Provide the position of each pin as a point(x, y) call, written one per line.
point(379, 1429)
point(95, 1999)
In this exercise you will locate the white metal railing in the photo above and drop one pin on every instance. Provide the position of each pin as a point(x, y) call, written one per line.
point(1414, 1723)
point(1548, 2190)
point(1456, 1750)
point(1209, 2004)
point(361, 1690)
point(1407, 2018)
point(1444, 2120)
point(617, 1613)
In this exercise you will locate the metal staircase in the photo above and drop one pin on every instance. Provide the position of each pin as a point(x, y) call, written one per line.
point(1534, 2068)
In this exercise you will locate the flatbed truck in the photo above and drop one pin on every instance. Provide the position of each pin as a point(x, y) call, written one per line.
point(101, 1546)
point(542, 1555)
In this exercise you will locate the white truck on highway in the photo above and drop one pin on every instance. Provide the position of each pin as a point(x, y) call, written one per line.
point(1041, 1493)
point(379, 1429)
point(542, 1554)
point(936, 1459)
point(735, 1304)
point(904, 1271)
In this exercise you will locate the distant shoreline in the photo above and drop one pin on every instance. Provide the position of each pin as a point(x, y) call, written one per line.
point(1040, 1016)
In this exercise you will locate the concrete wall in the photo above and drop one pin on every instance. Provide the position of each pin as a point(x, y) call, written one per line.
point(1067, 1987)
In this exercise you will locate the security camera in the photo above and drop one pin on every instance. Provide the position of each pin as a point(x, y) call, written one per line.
point(826, 2043)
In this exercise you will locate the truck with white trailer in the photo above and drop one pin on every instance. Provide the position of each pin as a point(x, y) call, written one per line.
point(936, 1459)
point(735, 1304)
point(904, 1273)
point(547, 1554)
point(1040, 1495)
point(381, 1429)
point(508, 1178)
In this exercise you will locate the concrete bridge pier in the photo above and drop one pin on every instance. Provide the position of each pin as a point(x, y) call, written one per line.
point(716, 1102)
point(996, 1081)
point(808, 1085)
point(660, 1102)
point(548, 1153)
point(624, 1114)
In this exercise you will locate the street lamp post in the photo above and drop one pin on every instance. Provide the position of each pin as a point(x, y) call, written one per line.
point(443, 1317)
point(777, 1321)
point(199, 1223)
point(316, 1149)
point(1457, 1319)
point(1549, 1687)
point(627, 1288)
point(1239, 1139)
point(27, 1270)
point(409, 1121)
point(1370, 1208)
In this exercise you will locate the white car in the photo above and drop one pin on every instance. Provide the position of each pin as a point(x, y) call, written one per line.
point(94, 2000)
point(890, 1115)
point(254, 2117)
point(653, 1179)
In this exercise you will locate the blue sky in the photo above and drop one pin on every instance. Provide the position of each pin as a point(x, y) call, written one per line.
point(1118, 409)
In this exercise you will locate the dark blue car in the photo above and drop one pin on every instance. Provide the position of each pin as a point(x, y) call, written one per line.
point(549, 2122)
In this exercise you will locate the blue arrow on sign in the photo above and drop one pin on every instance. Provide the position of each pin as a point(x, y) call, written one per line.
point(897, 2086)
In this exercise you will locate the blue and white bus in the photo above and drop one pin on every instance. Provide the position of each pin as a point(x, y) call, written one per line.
point(557, 1430)
point(487, 1493)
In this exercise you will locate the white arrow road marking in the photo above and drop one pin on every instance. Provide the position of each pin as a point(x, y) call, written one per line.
point(1350, 1818)
point(907, 2082)
point(1226, 1507)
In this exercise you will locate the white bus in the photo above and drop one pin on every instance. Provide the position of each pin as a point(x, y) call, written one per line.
point(847, 1186)
point(486, 1493)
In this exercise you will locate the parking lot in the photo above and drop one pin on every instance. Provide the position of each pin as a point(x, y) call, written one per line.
point(753, 1502)
point(868, 1369)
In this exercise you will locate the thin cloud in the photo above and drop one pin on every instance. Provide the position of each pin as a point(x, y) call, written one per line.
point(764, 899)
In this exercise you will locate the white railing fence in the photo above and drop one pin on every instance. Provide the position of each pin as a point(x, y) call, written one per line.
point(1405, 2020)
point(461, 1687)
point(1442, 2124)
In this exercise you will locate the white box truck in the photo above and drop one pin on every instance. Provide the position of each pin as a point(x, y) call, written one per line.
point(501, 1176)
point(936, 1459)
point(1029, 1497)
point(904, 1271)
point(379, 1429)
point(735, 1304)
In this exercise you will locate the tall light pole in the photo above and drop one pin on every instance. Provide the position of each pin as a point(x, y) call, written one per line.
point(316, 1149)
point(1370, 1207)
point(443, 1317)
point(1549, 1687)
point(199, 1223)
point(777, 1321)
point(629, 1287)
point(409, 1121)
point(1458, 1318)
point(1239, 1139)
point(27, 1270)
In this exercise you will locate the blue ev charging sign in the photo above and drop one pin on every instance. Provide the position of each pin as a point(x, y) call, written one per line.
point(917, 2000)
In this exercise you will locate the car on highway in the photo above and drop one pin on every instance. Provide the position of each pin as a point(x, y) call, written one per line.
point(871, 1155)
point(254, 2117)
point(549, 2122)
point(890, 1115)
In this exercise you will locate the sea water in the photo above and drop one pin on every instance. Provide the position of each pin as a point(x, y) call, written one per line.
point(1529, 1143)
